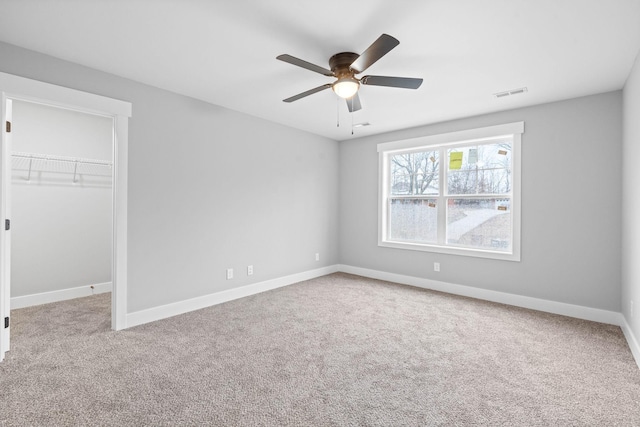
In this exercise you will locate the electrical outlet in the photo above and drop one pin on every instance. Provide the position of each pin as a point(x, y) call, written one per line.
point(229, 273)
point(317, 257)
point(250, 270)
point(436, 266)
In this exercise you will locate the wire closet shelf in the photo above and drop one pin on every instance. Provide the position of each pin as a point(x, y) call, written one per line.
point(76, 166)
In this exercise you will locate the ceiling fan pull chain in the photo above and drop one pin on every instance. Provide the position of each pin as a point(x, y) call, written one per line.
point(351, 116)
point(337, 112)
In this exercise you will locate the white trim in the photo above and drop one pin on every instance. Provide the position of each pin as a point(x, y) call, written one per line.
point(571, 310)
point(5, 236)
point(59, 295)
point(181, 307)
point(457, 137)
point(452, 250)
point(119, 226)
point(383, 179)
point(45, 93)
point(516, 196)
point(634, 346)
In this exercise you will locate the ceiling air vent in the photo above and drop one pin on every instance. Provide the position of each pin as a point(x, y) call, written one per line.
point(510, 92)
point(361, 125)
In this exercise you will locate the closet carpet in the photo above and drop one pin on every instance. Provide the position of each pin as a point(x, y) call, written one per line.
point(339, 350)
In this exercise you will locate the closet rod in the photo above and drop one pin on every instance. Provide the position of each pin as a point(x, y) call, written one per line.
point(33, 156)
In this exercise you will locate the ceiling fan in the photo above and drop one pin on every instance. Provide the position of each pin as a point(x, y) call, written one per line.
point(344, 67)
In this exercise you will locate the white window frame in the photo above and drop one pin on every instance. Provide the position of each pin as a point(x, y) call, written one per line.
point(385, 150)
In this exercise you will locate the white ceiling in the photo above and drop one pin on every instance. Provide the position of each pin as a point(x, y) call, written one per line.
point(224, 52)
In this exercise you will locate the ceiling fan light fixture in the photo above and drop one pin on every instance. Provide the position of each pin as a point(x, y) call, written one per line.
point(346, 87)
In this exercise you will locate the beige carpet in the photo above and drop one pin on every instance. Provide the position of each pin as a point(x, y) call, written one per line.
point(338, 350)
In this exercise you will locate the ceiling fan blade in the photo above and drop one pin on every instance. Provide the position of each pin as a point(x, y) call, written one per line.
point(402, 82)
point(353, 103)
point(304, 64)
point(377, 50)
point(307, 93)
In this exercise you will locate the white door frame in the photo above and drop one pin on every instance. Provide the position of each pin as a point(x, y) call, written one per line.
point(20, 88)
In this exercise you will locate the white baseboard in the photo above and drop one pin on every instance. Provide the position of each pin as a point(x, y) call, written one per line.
point(570, 310)
point(580, 312)
point(60, 295)
point(631, 339)
point(180, 307)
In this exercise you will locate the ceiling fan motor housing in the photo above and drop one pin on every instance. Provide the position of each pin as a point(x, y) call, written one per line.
point(340, 63)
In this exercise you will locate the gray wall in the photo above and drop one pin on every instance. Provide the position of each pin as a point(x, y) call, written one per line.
point(60, 230)
point(571, 198)
point(631, 201)
point(209, 188)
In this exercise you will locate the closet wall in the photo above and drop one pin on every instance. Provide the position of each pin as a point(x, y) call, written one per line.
point(61, 229)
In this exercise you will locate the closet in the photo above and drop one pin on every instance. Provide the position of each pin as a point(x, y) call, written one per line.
point(61, 204)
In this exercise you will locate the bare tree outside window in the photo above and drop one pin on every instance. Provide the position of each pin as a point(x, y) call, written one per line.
point(485, 169)
point(415, 173)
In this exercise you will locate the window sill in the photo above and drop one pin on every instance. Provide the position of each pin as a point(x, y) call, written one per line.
point(451, 250)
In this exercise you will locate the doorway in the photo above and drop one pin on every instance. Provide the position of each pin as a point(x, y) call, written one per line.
point(15, 88)
point(61, 212)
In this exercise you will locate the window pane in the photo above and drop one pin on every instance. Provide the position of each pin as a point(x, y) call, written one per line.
point(479, 223)
point(413, 220)
point(414, 173)
point(480, 169)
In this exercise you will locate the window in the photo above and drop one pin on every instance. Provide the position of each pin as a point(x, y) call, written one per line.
point(456, 193)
